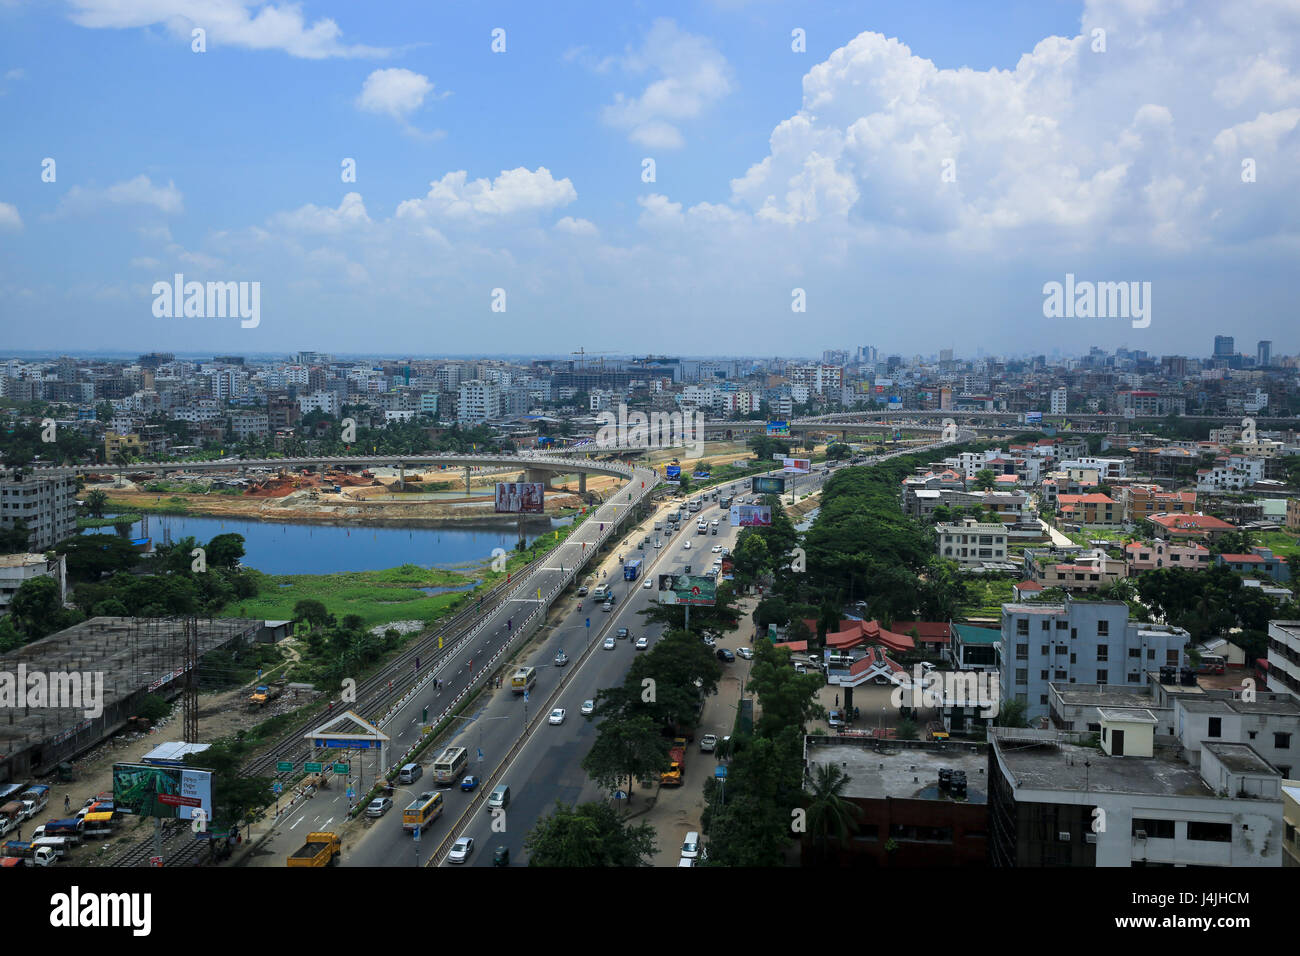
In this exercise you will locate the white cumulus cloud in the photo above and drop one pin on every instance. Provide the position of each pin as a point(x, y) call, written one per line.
point(690, 75)
point(455, 197)
point(394, 92)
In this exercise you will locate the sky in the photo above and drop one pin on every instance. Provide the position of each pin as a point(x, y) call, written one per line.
point(746, 177)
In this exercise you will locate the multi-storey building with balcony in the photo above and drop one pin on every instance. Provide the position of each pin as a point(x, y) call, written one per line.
point(971, 543)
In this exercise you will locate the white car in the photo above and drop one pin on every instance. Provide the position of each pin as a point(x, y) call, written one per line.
point(609, 644)
point(688, 542)
point(716, 549)
point(557, 716)
point(648, 583)
point(588, 708)
point(460, 850)
point(642, 643)
point(745, 653)
point(708, 641)
point(691, 846)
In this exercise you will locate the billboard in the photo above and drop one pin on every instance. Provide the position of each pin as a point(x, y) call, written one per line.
point(695, 590)
point(799, 466)
point(169, 792)
point(1033, 418)
point(521, 497)
point(751, 516)
point(673, 473)
point(728, 572)
point(778, 429)
point(768, 486)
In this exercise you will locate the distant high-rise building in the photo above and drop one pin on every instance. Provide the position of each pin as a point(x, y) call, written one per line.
point(945, 355)
point(1060, 398)
point(1224, 346)
point(1264, 353)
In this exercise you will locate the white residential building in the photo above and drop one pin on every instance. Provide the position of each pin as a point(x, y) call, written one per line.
point(480, 401)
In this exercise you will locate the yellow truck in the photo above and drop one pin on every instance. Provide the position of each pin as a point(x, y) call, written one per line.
point(321, 849)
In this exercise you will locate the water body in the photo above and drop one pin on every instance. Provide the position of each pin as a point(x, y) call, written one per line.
point(284, 548)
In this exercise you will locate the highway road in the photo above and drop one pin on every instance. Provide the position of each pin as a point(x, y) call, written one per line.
point(462, 664)
point(548, 767)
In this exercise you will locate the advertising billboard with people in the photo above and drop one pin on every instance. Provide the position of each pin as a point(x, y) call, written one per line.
point(521, 497)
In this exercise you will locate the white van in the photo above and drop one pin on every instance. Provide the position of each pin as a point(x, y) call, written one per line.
point(499, 798)
point(410, 773)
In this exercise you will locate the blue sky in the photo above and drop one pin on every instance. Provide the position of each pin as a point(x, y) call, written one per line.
point(820, 170)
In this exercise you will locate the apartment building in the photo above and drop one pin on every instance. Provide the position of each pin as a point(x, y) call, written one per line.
point(1079, 641)
point(1259, 563)
point(17, 569)
point(1284, 657)
point(1231, 473)
point(125, 446)
point(1293, 514)
point(1153, 555)
point(480, 400)
point(971, 543)
point(1083, 574)
point(1271, 726)
point(1142, 500)
point(326, 401)
point(1185, 527)
point(1046, 788)
point(1094, 509)
point(47, 503)
point(249, 424)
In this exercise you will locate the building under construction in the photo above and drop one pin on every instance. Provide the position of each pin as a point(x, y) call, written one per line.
point(135, 656)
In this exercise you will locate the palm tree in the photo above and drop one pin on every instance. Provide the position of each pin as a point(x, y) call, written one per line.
point(828, 811)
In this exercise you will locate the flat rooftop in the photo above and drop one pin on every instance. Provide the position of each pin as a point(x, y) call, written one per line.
point(1101, 695)
point(1239, 758)
point(131, 654)
point(1047, 762)
point(902, 771)
point(1284, 706)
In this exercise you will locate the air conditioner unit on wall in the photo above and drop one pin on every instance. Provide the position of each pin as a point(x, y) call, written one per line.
point(1063, 836)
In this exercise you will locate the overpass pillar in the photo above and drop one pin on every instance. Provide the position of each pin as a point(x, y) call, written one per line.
point(467, 481)
point(582, 482)
point(401, 477)
point(539, 474)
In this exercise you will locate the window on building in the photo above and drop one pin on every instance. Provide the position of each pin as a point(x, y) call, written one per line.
point(1022, 652)
point(1154, 829)
point(1281, 741)
point(1022, 627)
point(1215, 727)
point(1103, 652)
point(1103, 677)
point(1209, 832)
point(1103, 628)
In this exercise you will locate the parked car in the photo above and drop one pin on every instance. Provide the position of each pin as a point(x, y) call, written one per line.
point(708, 743)
point(709, 642)
point(726, 656)
point(556, 717)
point(745, 652)
point(691, 846)
point(460, 850)
point(378, 807)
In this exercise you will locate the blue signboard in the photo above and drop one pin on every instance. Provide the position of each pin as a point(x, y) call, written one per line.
point(344, 744)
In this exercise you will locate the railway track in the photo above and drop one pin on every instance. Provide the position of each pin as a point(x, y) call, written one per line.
point(374, 698)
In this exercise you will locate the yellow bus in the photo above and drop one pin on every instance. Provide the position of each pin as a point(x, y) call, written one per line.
point(523, 679)
point(423, 810)
point(451, 763)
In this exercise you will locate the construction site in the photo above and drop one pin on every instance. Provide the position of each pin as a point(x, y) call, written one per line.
point(132, 657)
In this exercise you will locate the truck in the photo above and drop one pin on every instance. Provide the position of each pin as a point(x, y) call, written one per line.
point(28, 853)
point(631, 569)
point(10, 817)
point(323, 848)
point(672, 777)
point(60, 828)
point(263, 694)
point(36, 798)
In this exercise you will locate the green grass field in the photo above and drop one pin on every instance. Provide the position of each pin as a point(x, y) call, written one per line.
point(987, 595)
